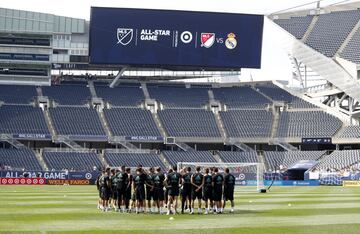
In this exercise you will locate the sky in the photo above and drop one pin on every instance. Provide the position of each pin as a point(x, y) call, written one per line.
point(275, 62)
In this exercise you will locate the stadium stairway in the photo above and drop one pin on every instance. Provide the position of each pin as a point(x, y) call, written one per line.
point(220, 125)
point(217, 157)
point(40, 158)
point(102, 159)
point(92, 89)
point(67, 141)
point(262, 159)
point(310, 28)
point(145, 90)
point(275, 123)
point(159, 124)
point(50, 124)
point(164, 160)
point(9, 139)
point(104, 123)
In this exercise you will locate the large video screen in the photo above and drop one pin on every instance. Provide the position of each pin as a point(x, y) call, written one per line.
point(167, 38)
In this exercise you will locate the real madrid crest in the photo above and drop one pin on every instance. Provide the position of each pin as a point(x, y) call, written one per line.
point(231, 42)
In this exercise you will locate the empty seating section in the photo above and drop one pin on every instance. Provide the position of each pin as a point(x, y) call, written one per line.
point(275, 159)
point(22, 158)
point(278, 94)
point(17, 94)
point(122, 95)
point(340, 159)
point(240, 97)
point(247, 123)
point(297, 26)
point(350, 132)
point(238, 157)
point(131, 122)
point(189, 123)
point(307, 124)
point(174, 157)
point(331, 30)
point(78, 161)
point(133, 159)
point(68, 94)
point(352, 50)
point(179, 96)
point(76, 121)
point(16, 119)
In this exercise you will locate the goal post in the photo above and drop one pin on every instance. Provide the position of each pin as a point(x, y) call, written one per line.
point(243, 172)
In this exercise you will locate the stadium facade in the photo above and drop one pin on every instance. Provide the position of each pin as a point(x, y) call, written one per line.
point(81, 123)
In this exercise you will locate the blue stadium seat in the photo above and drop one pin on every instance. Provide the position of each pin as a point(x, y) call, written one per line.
point(78, 161)
point(174, 157)
point(19, 159)
point(240, 97)
point(68, 94)
point(133, 159)
point(331, 30)
point(189, 123)
point(76, 121)
point(238, 157)
point(16, 119)
point(179, 96)
point(131, 122)
point(274, 159)
point(247, 123)
point(17, 94)
point(297, 26)
point(339, 160)
point(307, 124)
point(122, 95)
point(278, 94)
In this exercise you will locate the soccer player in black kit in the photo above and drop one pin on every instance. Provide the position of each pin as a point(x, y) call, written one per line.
point(229, 185)
point(139, 190)
point(186, 189)
point(121, 187)
point(218, 182)
point(149, 188)
point(158, 179)
point(105, 192)
point(207, 190)
point(113, 180)
point(128, 185)
point(197, 181)
point(173, 182)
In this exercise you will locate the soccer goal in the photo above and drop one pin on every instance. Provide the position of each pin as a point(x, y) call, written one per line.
point(244, 172)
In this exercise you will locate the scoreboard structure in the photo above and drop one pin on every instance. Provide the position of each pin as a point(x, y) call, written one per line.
point(175, 39)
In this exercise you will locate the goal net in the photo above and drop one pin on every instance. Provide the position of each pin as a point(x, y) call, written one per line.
point(245, 173)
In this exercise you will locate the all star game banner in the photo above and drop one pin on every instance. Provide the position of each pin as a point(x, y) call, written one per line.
point(180, 39)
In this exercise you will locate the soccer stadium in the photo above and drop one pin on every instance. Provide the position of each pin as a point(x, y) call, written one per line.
point(139, 119)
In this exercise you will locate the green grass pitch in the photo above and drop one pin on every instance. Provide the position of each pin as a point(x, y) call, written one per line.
point(72, 209)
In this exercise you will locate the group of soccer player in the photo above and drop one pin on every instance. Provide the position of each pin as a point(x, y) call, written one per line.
point(152, 191)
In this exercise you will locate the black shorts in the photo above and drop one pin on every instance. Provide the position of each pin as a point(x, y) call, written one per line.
point(208, 194)
point(158, 194)
point(140, 194)
point(114, 193)
point(196, 194)
point(133, 196)
point(121, 194)
point(186, 193)
point(229, 194)
point(105, 193)
point(174, 192)
point(217, 194)
point(149, 194)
